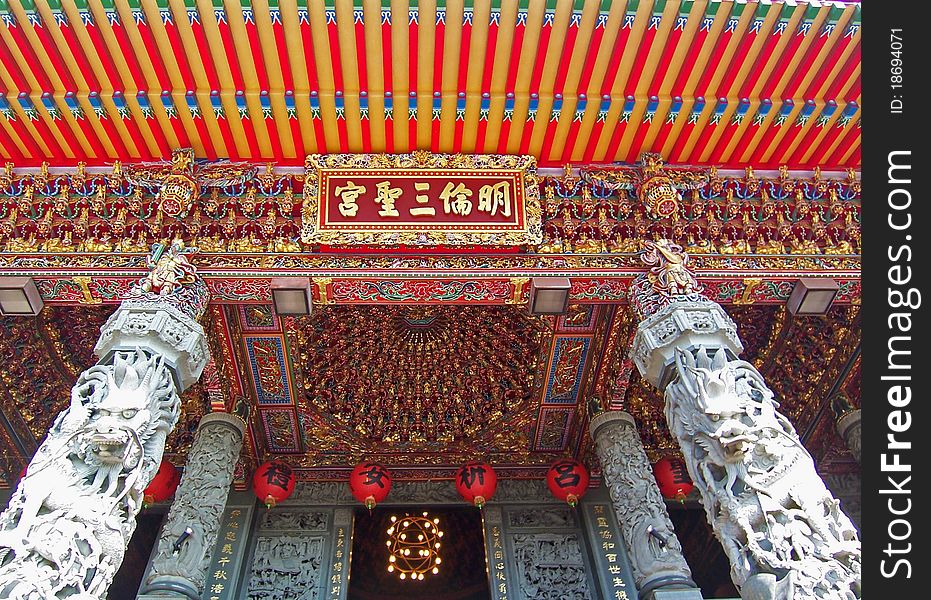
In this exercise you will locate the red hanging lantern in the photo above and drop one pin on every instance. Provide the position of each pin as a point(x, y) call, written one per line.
point(673, 479)
point(370, 483)
point(273, 482)
point(163, 485)
point(567, 480)
point(476, 483)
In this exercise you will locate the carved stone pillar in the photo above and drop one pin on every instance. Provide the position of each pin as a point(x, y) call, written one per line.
point(190, 531)
point(847, 422)
point(65, 530)
point(783, 532)
point(655, 552)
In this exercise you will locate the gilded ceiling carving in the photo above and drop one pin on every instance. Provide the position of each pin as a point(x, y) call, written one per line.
point(416, 379)
point(426, 387)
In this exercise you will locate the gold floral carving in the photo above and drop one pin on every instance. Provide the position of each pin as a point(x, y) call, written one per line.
point(83, 282)
point(517, 296)
point(746, 297)
point(322, 284)
point(531, 234)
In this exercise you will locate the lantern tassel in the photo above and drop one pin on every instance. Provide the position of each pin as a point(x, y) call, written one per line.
point(480, 502)
point(270, 502)
point(370, 503)
point(572, 499)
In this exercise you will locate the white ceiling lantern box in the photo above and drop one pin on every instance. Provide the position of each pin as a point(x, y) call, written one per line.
point(549, 295)
point(291, 295)
point(19, 296)
point(812, 296)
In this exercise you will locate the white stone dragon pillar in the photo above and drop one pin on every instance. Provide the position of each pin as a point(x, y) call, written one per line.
point(65, 530)
point(654, 550)
point(783, 532)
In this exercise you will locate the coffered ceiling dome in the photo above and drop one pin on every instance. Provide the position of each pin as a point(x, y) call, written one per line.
point(416, 378)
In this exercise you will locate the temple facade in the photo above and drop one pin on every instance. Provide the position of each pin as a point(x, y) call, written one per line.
point(467, 299)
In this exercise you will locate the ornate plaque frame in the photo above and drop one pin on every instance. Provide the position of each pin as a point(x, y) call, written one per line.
point(530, 233)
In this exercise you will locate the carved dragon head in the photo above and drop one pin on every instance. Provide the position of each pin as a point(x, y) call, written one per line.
point(731, 401)
point(117, 408)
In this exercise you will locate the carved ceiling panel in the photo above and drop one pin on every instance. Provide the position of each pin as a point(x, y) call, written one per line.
point(416, 379)
point(426, 388)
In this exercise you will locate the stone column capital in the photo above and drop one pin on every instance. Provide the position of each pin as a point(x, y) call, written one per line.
point(849, 429)
point(160, 328)
point(223, 418)
point(616, 417)
point(681, 325)
point(846, 421)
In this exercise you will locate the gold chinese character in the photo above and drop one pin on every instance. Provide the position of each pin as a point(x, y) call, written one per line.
point(231, 536)
point(612, 558)
point(602, 522)
point(614, 569)
point(235, 513)
point(336, 578)
point(220, 575)
point(618, 582)
point(499, 575)
point(497, 543)
point(217, 588)
point(387, 196)
point(499, 555)
point(608, 545)
point(223, 561)
point(493, 197)
point(227, 549)
point(335, 590)
point(455, 199)
point(503, 587)
point(339, 553)
point(599, 509)
point(233, 525)
point(349, 195)
point(337, 566)
point(423, 211)
point(605, 534)
point(620, 595)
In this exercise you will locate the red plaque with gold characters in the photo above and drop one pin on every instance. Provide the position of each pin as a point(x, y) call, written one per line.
point(421, 199)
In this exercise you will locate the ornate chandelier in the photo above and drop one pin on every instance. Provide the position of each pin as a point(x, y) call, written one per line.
point(414, 546)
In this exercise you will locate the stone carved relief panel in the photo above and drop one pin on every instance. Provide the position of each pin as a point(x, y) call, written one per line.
point(545, 519)
point(294, 519)
point(287, 567)
point(550, 566)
